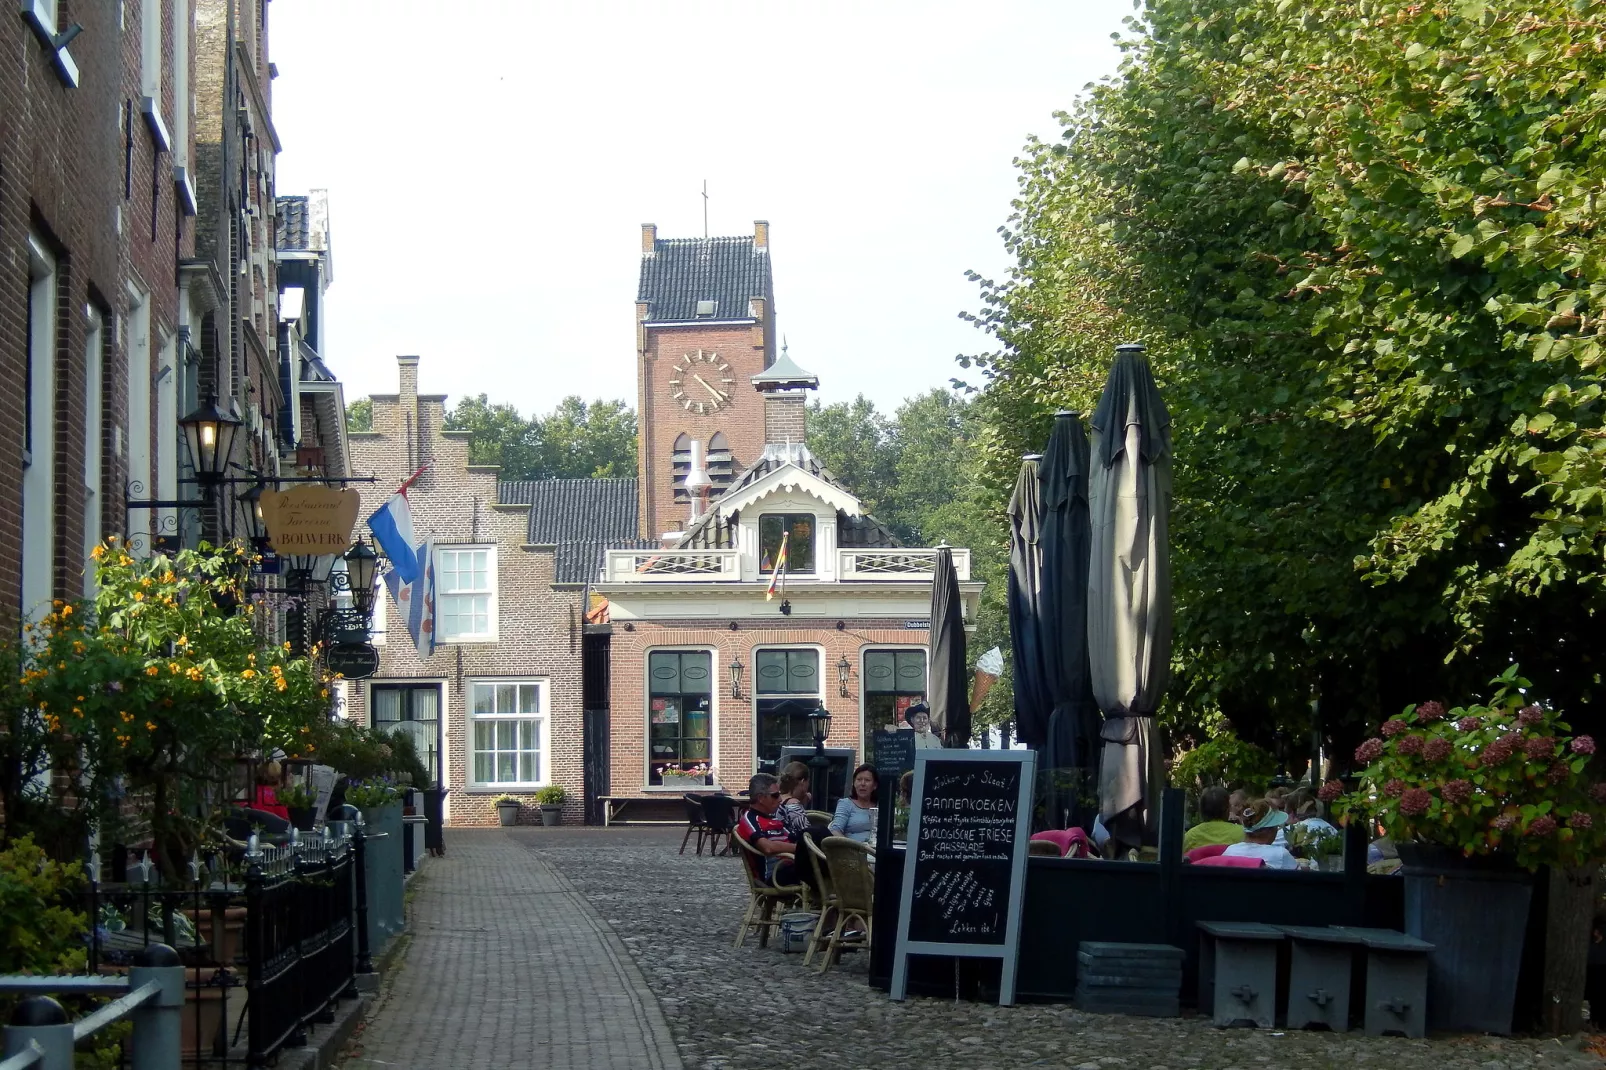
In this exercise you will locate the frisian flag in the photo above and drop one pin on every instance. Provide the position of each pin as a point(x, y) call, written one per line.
point(778, 576)
point(411, 576)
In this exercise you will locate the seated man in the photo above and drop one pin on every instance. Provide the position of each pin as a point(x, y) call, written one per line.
point(761, 828)
point(1216, 826)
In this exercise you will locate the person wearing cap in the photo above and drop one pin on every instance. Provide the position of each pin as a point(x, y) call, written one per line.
point(1261, 820)
point(918, 717)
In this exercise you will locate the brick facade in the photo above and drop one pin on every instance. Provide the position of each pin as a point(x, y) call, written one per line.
point(538, 627)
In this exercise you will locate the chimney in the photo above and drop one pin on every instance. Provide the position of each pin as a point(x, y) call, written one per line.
point(761, 233)
point(407, 409)
point(785, 416)
point(697, 483)
point(409, 382)
point(649, 238)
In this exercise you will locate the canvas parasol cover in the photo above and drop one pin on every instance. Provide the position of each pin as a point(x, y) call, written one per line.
point(1129, 591)
point(950, 679)
point(1032, 704)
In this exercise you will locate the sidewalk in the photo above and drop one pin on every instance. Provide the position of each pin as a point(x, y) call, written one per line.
point(509, 967)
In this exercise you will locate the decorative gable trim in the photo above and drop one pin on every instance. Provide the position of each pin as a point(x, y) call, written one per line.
point(788, 477)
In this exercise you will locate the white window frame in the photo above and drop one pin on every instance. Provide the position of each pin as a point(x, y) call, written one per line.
point(647, 759)
point(39, 475)
point(753, 696)
point(543, 742)
point(150, 79)
point(493, 603)
point(42, 16)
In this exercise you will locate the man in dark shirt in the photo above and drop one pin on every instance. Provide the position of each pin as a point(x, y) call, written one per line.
point(761, 828)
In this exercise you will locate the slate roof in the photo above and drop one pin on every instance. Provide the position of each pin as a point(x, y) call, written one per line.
point(680, 272)
point(582, 517)
point(710, 532)
point(290, 224)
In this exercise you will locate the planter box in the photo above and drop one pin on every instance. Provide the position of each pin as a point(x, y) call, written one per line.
point(685, 783)
point(551, 815)
point(508, 814)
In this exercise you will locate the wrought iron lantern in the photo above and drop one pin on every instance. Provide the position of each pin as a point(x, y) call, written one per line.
point(844, 677)
point(256, 527)
point(361, 565)
point(209, 434)
point(737, 669)
point(820, 723)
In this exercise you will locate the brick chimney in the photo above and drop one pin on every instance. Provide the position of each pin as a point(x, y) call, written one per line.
point(785, 387)
point(649, 238)
point(761, 233)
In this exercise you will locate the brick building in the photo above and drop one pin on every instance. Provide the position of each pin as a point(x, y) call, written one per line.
point(498, 707)
point(708, 679)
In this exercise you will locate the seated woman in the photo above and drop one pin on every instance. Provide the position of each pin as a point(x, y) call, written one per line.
point(1215, 826)
point(854, 814)
point(794, 798)
point(1304, 810)
point(1261, 820)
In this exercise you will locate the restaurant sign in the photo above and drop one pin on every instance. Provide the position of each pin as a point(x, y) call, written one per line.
point(310, 520)
point(353, 661)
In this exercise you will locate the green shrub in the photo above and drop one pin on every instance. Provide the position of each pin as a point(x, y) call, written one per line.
point(551, 795)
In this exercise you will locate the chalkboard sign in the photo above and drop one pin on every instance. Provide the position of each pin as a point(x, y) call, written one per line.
point(894, 756)
point(965, 873)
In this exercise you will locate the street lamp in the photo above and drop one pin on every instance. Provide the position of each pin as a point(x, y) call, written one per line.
point(209, 434)
point(256, 525)
point(844, 671)
point(737, 668)
point(361, 564)
point(820, 765)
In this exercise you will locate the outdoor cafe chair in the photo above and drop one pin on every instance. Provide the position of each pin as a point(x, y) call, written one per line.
point(763, 897)
point(1209, 850)
point(810, 854)
point(1232, 862)
point(695, 822)
point(818, 817)
point(719, 813)
point(1043, 847)
point(853, 881)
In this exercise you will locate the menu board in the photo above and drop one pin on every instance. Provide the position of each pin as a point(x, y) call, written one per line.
point(964, 875)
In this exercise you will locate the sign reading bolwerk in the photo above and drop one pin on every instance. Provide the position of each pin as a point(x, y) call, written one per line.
point(310, 520)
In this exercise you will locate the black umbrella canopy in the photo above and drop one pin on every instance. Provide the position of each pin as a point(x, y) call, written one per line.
point(1032, 704)
point(950, 694)
point(1073, 728)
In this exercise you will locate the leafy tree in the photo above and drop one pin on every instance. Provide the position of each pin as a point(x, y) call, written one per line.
point(854, 441)
point(360, 415)
point(575, 440)
point(1358, 238)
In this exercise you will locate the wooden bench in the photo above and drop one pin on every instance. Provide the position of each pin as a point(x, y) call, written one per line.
point(613, 808)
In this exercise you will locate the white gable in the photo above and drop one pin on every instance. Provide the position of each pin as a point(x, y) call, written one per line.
point(793, 483)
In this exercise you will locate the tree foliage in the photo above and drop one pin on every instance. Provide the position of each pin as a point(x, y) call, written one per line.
point(360, 415)
point(575, 440)
point(1358, 238)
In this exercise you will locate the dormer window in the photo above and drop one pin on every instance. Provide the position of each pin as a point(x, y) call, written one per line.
point(797, 530)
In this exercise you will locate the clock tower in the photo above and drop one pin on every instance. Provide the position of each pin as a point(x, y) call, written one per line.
point(705, 327)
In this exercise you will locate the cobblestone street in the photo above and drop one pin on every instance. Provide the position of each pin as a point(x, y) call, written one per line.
point(510, 967)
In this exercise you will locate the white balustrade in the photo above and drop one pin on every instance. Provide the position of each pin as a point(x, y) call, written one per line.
point(894, 564)
point(671, 566)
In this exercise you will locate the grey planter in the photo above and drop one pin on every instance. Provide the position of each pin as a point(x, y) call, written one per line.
point(551, 815)
point(508, 813)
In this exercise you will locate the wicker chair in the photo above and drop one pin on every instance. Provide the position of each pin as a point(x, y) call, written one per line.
point(853, 881)
point(764, 896)
point(818, 817)
point(809, 854)
point(695, 822)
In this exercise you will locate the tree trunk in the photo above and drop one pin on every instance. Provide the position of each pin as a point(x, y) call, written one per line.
point(1569, 917)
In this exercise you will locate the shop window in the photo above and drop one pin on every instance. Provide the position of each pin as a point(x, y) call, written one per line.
point(787, 688)
point(680, 709)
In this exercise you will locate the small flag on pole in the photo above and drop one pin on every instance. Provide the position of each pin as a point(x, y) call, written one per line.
point(778, 576)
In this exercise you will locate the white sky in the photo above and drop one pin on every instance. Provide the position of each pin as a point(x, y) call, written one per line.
point(488, 176)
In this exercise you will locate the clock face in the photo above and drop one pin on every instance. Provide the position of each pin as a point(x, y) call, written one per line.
point(701, 382)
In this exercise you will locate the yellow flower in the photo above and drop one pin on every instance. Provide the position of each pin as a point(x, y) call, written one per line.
point(62, 665)
point(126, 716)
point(151, 670)
point(98, 552)
point(282, 685)
point(172, 667)
point(150, 726)
point(183, 640)
point(287, 645)
point(248, 674)
point(167, 577)
point(66, 611)
point(196, 674)
point(324, 693)
point(139, 596)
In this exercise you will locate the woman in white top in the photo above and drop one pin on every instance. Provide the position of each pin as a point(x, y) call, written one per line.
point(1261, 820)
point(855, 815)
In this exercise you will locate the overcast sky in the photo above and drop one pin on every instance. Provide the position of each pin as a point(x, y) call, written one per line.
point(488, 176)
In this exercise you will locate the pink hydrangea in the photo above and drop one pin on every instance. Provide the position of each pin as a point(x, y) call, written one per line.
point(1468, 724)
point(1369, 751)
point(1415, 801)
point(1497, 752)
point(1580, 820)
point(1430, 711)
point(1538, 747)
point(1584, 745)
point(1530, 714)
point(1330, 791)
point(1543, 825)
point(1436, 749)
point(1558, 771)
point(1505, 822)
point(1409, 744)
point(1598, 792)
point(1457, 792)
point(1394, 788)
point(1394, 726)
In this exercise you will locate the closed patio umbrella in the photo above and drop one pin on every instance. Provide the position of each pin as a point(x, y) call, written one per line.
point(1070, 754)
point(950, 680)
point(1129, 592)
point(1032, 704)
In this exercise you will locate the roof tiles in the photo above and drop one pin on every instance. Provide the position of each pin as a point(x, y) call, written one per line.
point(680, 272)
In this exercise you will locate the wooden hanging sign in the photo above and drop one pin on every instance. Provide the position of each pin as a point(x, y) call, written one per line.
point(310, 519)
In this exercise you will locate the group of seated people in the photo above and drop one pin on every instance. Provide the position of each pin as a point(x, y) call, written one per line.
point(777, 818)
point(1255, 828)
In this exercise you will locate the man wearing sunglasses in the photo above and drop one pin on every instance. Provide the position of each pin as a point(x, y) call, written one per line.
point(762, 829)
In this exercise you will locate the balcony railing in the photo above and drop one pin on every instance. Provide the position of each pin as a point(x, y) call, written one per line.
point(896, 564)
point(671, 566)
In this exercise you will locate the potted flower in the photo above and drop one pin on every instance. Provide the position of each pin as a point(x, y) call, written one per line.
point(684, 776)
point(507, 809)
point(301, 800)
point(551, 799)
point(1477, 798)
point(1324, 847)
